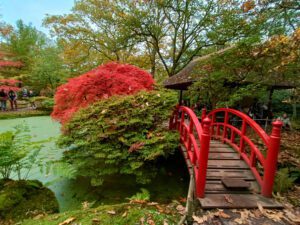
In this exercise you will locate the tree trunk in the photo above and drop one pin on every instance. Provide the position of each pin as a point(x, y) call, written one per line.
point(270, 100)
point(152, 60)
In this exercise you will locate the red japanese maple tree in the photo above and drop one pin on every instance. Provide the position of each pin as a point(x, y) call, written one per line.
point(10, 84)
point(6, 63)
point(100, 83)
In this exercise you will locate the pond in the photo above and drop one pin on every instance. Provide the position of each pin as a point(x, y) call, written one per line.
point(171, 183)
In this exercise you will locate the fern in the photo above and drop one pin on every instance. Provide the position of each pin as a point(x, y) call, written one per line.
point(283, 181)
point(143, 196)
point(18, 153)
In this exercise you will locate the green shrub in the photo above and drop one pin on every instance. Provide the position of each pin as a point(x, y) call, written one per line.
point(121, 135)
point(283, 180)
point(43, 103)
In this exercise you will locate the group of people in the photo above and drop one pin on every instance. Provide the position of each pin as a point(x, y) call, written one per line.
point(11, 96)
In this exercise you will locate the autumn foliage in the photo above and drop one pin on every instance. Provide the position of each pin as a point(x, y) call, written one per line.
point(10, 84)
point(101, 83)
point(16, 64)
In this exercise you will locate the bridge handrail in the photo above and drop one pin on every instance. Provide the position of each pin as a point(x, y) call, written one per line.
point(197, 153)
point(272, 143)
point(264, 136)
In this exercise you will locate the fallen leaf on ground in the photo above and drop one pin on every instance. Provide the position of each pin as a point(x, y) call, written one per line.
point(238, 221)
point(244, 217)
point(124, 214)
point(180, 208)
point(142, 220)
point(152, 203)
point(68, 221)
point(111, 212)
point(85, 205)
point(39, 216)
point(160, 209)
point(292, 217)
point(223, 215)
point(200, 219)
point(150, 221)
point(275, 216)
point(136, 201)
point(257, 213)
point(261, 209)
point(96, 221)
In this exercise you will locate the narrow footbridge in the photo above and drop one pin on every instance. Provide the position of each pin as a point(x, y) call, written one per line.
point(231, 158)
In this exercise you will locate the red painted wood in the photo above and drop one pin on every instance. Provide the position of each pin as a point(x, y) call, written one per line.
point(192, 133)
point(272, 143)
point(196, 139)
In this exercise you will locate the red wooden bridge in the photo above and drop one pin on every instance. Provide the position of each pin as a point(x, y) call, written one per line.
point(231, 158)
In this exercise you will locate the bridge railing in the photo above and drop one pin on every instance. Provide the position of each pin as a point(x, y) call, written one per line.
point(239, 130)
point(195, 138)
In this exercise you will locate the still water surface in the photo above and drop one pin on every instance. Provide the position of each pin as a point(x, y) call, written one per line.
point(170, 184)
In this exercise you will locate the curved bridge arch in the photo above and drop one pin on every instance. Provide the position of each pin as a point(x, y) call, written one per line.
point(235, 129)
point(195, 138)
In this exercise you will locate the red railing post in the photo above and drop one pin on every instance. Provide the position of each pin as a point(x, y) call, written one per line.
point(225, 126)
point(191, 131)
point(203, 115)
point(271, 160)
point(181, 123)
point(243, 131)
point(212, 122)
point(203, 158)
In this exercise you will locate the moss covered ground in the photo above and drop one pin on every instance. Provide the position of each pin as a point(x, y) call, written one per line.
point(24, 199)
point(121, 214)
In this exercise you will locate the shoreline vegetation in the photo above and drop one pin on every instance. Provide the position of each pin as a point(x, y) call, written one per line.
point(23, 114)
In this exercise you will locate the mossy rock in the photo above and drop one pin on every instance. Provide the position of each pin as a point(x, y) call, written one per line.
point(24, 199)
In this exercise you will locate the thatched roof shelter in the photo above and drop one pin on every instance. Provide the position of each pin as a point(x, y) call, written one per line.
point(191, 73)
point(183, 79)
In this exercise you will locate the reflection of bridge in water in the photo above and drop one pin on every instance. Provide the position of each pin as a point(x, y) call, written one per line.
point(233, 164)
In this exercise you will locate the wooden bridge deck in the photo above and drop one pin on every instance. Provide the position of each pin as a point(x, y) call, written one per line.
point(230, 182)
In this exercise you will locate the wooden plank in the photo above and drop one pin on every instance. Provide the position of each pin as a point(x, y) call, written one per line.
point(220, 144)
point(214, 174)
point(237, 201)
point(218, 149)
point(227, 164)
point(223, 155)
point(216, 186)
point(235, 183)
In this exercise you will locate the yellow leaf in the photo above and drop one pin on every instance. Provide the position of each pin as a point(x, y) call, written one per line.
point(68, 221)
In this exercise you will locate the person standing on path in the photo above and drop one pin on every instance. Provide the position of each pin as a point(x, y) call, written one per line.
point(3, 99)
point(13, 99)
point(31, 97)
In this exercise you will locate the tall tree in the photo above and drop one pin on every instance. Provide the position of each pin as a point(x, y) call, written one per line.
point(48, 70)
point(169, 32)
point(93, 33)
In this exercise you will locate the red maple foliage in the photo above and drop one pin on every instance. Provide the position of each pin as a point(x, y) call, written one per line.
point(10, 84)
point(6, 88)
point(16, 64)
point(100, 83)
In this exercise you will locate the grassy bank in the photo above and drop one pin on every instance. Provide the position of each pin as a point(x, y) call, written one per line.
point(120, 214)
point(22, 114)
